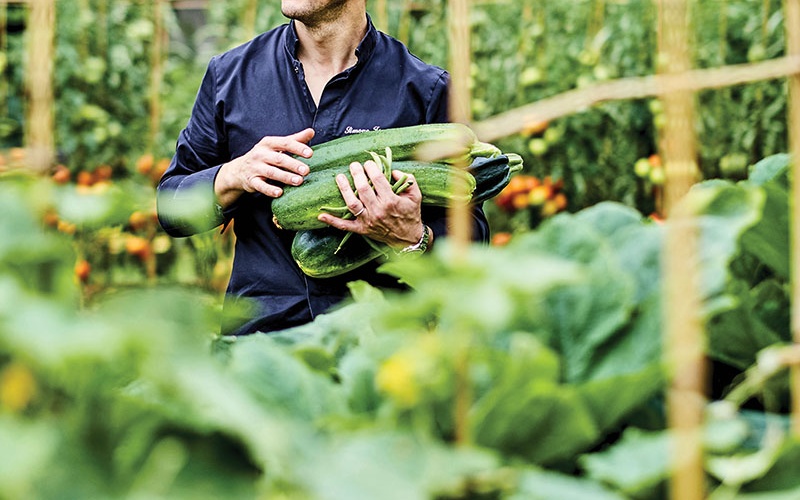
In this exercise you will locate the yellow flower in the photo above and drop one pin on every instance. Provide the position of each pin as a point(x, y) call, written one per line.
point(17, 387)
point(396, 378)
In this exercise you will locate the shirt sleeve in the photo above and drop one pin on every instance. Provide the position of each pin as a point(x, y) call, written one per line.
point(186, 203)
point(436, 217)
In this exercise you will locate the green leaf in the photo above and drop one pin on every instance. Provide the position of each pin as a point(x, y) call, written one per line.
point(547, 485)
point(723, 212)
point(28, 448)
point(769, 238)
point(736, 335)
point(639, 462)
point(771, 168)
point(281, 382)
point(609, 405)
point(582, 318)
point(607, 218)
point(526, 412)
point(391, 466)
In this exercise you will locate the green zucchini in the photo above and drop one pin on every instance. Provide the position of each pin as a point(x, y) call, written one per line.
point(314, 252)
point(493, 174)
point(402, 140)
point(298, 207)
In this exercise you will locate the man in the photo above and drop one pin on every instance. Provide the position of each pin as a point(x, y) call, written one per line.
point(327, 73)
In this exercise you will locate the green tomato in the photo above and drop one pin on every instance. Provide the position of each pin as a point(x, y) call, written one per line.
point(93, 70)
point(757, 52)
point(479, 107)
point(553, 135)
point(530, 76)
point(733, 164)
point(657, 176)
point(642, 167)
point(538, 146)
point(588, 57)
point(656, 106)
point(601, 73)
point(584, 81)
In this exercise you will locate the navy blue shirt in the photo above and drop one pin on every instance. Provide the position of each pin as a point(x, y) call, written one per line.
point(258, 89)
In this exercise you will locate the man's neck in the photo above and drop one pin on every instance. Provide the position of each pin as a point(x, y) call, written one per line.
point(329, 47)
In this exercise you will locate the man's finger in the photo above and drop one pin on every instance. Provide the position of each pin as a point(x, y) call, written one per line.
point(343, 224)
point(264, 187)
point(379, 182)
point(360, 180)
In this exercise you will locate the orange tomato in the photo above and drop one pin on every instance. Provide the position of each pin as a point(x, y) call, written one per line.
point(539, 194)
point(531, 182)
point(561, 201)
point(144, 164)
point(501, 239)
point(50, 218)
point(17, 155)
point(138, 220)
point(61, 175)
point(549, 208)
point(519, 201)
point(82, 270)
point(85, 178)
point(159, 169)
point(66, 227)
point(103, 172)
point(138, 247)
point(516, 184)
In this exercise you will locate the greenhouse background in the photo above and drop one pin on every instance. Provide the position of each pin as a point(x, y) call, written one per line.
point(630, 333)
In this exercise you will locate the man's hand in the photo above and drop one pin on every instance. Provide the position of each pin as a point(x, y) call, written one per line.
point(379, 213)
point(269, 160)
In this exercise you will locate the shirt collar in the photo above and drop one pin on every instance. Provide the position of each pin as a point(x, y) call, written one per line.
point(363, 51)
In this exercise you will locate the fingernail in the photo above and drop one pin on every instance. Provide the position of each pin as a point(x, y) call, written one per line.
point(304, 170)
point(307, 152)
point(296, 180)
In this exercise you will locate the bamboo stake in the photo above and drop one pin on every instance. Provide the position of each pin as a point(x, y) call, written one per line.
point(156, 73)
point(566, 103)
point(683, 330)
point(792, 28)
point(250, 16)
point(459, 102)
point(459, 213)
point(4, 49)
point(39, 132)
point(382, 16)
point(404, 24)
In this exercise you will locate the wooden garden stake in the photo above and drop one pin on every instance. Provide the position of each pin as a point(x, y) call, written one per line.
point(683, 331)
point(3, 49)
point(404, 25)
point(250, 16)
point(39, 76)
point(792, 24)
point(156, 72)
point(460, 109)
point(382, 15)
point(458, 212)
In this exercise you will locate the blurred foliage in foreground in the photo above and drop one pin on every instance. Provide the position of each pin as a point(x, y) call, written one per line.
point(528, 371)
